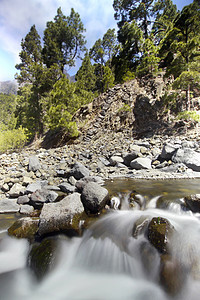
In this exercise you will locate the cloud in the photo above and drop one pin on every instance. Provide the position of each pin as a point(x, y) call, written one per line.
point(17, 17)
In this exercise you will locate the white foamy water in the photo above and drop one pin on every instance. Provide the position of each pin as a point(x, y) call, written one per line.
point(107, 263)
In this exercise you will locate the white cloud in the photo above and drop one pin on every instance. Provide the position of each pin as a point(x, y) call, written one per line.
point(17, 16)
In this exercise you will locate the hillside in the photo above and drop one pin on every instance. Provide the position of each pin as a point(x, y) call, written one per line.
point(8, 87)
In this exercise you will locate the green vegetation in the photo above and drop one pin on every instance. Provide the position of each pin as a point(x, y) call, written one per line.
point(152, 37)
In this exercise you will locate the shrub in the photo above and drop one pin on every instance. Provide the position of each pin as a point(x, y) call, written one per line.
point(12, 139)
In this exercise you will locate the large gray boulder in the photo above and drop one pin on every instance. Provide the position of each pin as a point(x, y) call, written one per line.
point(79, 171)
point(141, 163)
point(130, 156)
point(16, 190)
point(188, 157)
point(39, 197)
point(9, 206)
point(61, 216)
point(94, 197)
point(66, 187)
point(168, 151)
point(33, 164)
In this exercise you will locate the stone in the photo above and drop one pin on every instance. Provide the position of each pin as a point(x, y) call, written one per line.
point(168, 151)
point(79, 171)
point(24, 228)
point(141, 163)
point(159, 233)
point(94, 197)
point(9, 206)
point(66, 187)
point(23, 199)
point(26, 209)
point(114, 160)
point(63, 216)
point(34, 164)
point(193, 202)
point(39, 197)
point(129, 157)
point(16, 190)
point(189, 157)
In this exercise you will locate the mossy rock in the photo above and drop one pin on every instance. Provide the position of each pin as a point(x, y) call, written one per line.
point(172, 275)
point(24, 228)
point(159, 233)
point(43, 257)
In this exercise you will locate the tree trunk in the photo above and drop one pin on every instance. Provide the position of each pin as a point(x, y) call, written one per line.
point(188, 98)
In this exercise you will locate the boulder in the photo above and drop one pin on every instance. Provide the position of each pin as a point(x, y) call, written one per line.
point(34, 164)
point(39, 197)
point(33, 187)
point(26, 209)
point(129, 157)
point(9, 206)
point(24, 228)
point(159, 233)
point(189, 157)
point(193, 202)
point(43, 257)
point(141, 163)
point(79, 171)
point(168, 151)
point(66, 187)
point(61, 216)
point(16, 190)
point(114, 160)
point(94, 197)
point(23, 199)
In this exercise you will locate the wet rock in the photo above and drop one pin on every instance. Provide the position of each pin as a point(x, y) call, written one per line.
point(9, 206)
point(172, 275)
point(193, 202)
point(140, 226)
point(43, 257)
point(61, 216)
point(141, 163)
point(79, 171)
point(159, 232)
point(94, 197)
point(34, 164)
point(24, 228)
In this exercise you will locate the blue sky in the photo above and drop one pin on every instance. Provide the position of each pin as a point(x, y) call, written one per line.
point(17, 16)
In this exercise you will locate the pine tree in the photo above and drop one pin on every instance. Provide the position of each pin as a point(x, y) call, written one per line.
point(63, 40)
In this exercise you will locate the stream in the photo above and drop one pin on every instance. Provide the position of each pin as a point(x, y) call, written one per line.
point(108, 262)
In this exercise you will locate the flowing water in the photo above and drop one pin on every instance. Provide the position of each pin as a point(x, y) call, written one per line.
point(108, 262)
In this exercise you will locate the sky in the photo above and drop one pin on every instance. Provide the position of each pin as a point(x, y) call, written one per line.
point(17, 17)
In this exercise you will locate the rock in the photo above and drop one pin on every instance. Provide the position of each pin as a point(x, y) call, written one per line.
point(172, 275)
point(66, 187)
point(94, 197)
point(34, 164)
point(61, 216)
point(79, 171)
point(114, 160)
point(9, 206)
point(33, 187)
point(193, 202)
point(129, 157)
point(26, 209)
point(39, 197)
point(189, 157)
point(159, 233)
point(43, 257)
point(24, 228)
point(23, 199)
point(16, 190)
point(104, 161)
point(141, 163)
point(168, 151)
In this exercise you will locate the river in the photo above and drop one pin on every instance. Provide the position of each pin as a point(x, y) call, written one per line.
point(108, 262)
